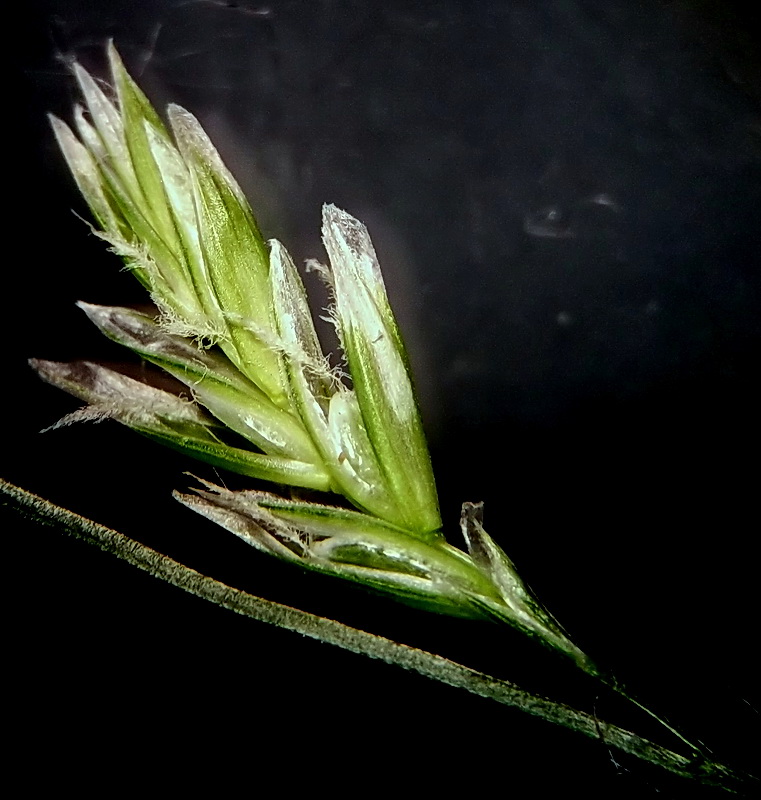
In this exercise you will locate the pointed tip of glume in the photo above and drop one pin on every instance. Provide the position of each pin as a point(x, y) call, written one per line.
point(332, 213)
point(91, 309)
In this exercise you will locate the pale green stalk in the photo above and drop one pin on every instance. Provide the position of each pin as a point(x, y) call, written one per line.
point(435, 667)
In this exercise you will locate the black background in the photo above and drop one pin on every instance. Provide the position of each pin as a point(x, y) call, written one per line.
point(595, 387)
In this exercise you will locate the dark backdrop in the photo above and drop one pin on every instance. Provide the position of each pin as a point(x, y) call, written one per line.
point(565, 199)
